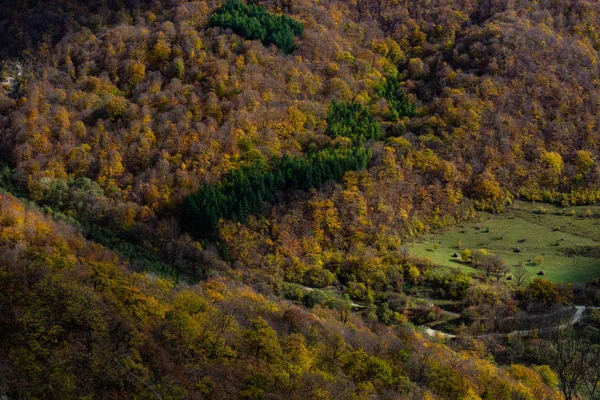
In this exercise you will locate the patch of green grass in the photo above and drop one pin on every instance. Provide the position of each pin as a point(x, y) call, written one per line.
point(564, 239)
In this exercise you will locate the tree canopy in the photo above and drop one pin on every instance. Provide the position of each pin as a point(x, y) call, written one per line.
point(254, 22)
point(243, 192)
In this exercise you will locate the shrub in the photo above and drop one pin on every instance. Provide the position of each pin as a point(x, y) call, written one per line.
point(539, 260)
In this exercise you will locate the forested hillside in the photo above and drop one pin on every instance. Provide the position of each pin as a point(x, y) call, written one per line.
point(77, 324)
point(187, 172)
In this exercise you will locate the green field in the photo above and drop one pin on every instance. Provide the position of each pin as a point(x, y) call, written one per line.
point(565, 240)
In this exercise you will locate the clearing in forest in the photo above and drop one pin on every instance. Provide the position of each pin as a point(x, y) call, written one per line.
point(562, 242)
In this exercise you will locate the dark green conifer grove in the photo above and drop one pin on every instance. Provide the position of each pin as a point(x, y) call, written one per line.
point(352, 120)
point(244, 191)
point(392, 91)
point(256, 23)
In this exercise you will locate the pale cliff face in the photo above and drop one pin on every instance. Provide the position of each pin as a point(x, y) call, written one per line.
point(15, 71)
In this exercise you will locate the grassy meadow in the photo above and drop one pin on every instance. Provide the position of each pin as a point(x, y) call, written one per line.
point(563, 242)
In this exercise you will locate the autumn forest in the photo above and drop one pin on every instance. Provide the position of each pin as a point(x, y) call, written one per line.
point(311, 199)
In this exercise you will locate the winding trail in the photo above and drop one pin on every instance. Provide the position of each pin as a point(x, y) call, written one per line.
point(579, 310)
point(577, 316)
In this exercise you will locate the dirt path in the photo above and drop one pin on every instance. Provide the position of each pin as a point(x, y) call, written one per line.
point(579, 310)
point(577, 316)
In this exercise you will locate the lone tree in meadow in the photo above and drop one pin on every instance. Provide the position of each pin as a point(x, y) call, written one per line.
point(495, 266)
point(520, 273)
